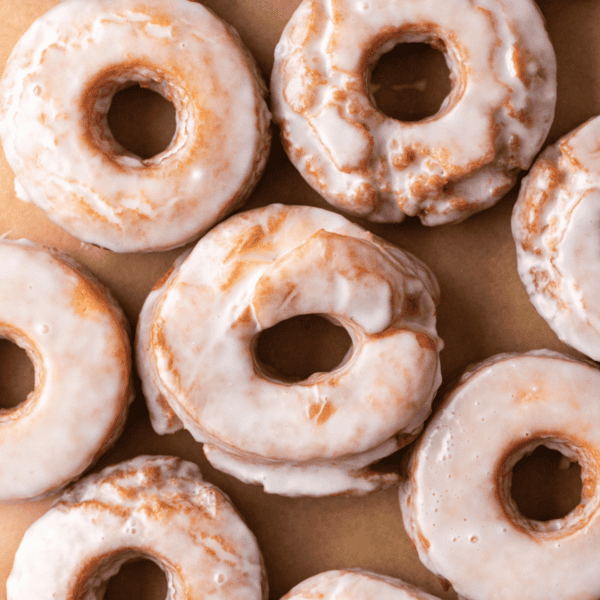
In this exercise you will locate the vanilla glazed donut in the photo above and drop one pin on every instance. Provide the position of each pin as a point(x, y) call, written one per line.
point(57, 139)
point(197, 329)
point(76, 336)
point(446, 167)
point(456, 502)
point(151, 507)
point(554, 226)
point(355, 584)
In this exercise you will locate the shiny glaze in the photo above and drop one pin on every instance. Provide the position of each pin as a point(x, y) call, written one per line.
point(315, 437)
point(153, 507)
point(76, 337)
point(446, 167)
point(555, 228)
point(456, 501)
point(58, 142)
point(354, 584)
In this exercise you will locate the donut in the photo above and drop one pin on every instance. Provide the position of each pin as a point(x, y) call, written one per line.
point(57, 138)
point(355, 584)
point(198, 327)
point(554, 225)
point(456, 501)
point(151, 507)
point(77, 338)
point(445, 167)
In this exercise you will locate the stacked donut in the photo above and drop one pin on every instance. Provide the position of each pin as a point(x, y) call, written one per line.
point(198, 331)
point(317, 436)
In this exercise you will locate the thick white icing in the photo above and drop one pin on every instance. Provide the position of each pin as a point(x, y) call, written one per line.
point(76, 339)
point(195, 358)
point(57, 139)
point(456, 502)
point(555, 227)
point(355, 584)
point(443, 168)
point(152, 507)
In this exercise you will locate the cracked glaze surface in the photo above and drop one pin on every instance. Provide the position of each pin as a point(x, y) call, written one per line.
point(355, 584)
point(555, 227)
point(443, 168)
point(76, 337)
point(194, 350)
point(58, 142)
point(152, 507)
point(456, 503)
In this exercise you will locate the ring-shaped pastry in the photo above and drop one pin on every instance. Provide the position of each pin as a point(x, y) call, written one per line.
point(152, 507)
point(196, 332)
point(456, 501)
point(355, 584)
point(76, 336)
point(58, 141)
point(446, 167)
point(555, 228)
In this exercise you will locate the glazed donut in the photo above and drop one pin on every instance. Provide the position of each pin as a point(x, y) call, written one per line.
point(57, 139)
point(354, 584)
point(446, 167)
point(153, 507)
point(194, 350)
point(456, 502)
point(76, 336)
point(554, 226)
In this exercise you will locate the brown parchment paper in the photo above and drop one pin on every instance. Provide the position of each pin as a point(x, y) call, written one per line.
point(483, 311)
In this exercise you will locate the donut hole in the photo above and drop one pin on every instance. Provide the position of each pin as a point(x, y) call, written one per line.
point(142, 121)
point(17, 375)
point(138, 579)
point(546, 486)
point(294, 349)
point(411, 81)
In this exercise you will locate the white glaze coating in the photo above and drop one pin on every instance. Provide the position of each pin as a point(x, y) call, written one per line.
point(57, 140)
point(555, 227)
point(456, 502)
point(76, 338)
point(443, 168)
point(354, 584)
point(153, 507)
point(315, 437)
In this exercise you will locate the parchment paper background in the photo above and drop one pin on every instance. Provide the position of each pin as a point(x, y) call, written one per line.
point(483, 311)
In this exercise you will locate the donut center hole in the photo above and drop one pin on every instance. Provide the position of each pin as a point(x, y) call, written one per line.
point(410, 82)
point(142, 121)
point(140, 579)
point(296, 348)
point(546, 484)
point(17, 375)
